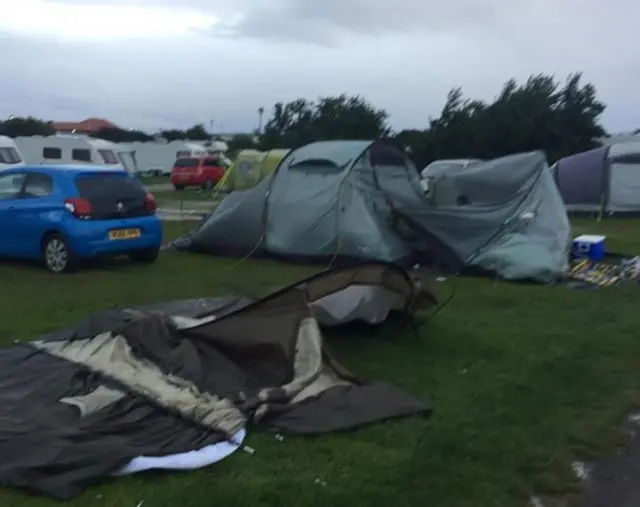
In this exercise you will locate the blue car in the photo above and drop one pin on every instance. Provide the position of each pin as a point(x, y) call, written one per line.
point(65, 214)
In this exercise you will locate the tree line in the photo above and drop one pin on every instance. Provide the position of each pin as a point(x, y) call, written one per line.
point(538, 114)
point(29, 126)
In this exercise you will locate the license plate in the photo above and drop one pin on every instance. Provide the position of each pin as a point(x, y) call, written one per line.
point(124, 234)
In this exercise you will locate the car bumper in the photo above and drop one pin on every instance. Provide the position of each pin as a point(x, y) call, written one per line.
point(90, 239)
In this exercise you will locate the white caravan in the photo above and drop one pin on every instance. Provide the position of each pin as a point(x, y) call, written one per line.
point(76, 150)
point(10, 155)
point(156, 158)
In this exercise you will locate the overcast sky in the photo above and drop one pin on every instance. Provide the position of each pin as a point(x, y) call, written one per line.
point(160, 63)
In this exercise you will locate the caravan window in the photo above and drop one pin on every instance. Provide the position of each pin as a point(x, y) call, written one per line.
point(108, 157)
point(51, 153)
point(9, 155)
point(183, 154)
point(81, 155)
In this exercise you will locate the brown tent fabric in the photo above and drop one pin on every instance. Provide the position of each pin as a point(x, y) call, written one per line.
point(78, 404)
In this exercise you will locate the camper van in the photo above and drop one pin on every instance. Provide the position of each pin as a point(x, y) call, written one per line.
point(10, 156)
point(76, 149)
point(156, 158)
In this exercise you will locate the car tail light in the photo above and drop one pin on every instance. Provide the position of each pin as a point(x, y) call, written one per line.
point(78, 207)
point(150, 203)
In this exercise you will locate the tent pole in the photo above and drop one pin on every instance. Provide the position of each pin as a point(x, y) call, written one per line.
point(602, 206)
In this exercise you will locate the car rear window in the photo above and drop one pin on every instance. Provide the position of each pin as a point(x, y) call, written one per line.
point(108, 186)
point(186, 162)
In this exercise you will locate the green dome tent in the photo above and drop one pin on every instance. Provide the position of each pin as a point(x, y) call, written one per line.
point(363, 200)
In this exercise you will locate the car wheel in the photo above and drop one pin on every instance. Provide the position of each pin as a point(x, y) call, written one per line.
point(57, 256)
point(147, 256)
point(207, 185)
point(178, 187)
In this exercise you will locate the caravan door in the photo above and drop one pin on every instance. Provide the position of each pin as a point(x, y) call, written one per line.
point(128, 161)
point(108, 153)
point(107, 156)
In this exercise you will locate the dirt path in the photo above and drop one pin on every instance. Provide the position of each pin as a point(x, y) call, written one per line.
point(615, 481)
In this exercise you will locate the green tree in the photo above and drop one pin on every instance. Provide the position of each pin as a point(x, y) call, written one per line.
point(116, 135)
point(241, 142)
point(343, 117)
point(197, 133)
point(173, 135)
point(580, 116)
point(540, 114)
point(289, 126)
point(26, 126)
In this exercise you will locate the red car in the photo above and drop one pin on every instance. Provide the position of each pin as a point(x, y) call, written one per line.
point(204, 172)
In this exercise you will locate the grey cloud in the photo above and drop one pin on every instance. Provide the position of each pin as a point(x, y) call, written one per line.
point(327, 21)
point(402, 56)
point(295, 18)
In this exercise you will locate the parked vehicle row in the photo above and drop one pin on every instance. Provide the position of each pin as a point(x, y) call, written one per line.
point(152, 158)
point(157, 158)
point(203, 172)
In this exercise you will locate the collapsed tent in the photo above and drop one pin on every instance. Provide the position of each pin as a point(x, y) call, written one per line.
point(603, 181)
point(250, 167)
point(343, 200)
point(445, 164)
point(86, 402)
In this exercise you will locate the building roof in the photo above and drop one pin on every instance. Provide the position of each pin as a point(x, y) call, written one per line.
point(88, 125)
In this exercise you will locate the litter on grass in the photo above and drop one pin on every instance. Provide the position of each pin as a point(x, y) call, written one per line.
point(606, 273)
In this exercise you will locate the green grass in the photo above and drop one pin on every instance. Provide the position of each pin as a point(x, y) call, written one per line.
point(188, 195)
point(154, 180)
point(523, 379)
